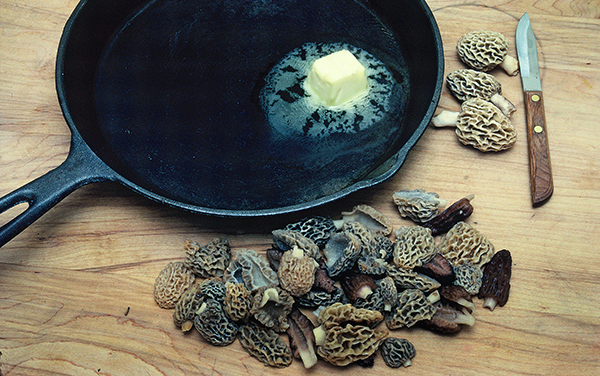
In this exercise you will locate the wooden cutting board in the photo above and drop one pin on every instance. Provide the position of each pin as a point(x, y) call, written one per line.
point(76, 287)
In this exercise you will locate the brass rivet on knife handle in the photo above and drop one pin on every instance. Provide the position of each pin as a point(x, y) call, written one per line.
point(539, 157)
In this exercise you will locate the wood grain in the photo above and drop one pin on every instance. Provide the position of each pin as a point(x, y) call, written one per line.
point(76, 286)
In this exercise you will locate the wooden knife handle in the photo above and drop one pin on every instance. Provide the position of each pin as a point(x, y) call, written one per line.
point(539, 156)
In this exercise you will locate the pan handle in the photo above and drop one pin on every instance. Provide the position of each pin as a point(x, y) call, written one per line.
point(81, 167)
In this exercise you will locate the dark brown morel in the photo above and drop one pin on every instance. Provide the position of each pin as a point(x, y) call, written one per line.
point(495, 284)
point(439, 269)
point(457, 212)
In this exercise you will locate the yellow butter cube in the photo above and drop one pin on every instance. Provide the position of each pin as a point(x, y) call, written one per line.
point(337, 78)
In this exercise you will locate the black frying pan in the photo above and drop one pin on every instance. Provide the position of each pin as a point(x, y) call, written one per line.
point(163, 96)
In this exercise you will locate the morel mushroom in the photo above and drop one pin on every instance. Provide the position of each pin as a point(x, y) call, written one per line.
point(339, 314)
point(412, 307)
point(320, 298)
point(373, 302)
point(397, 352)
point(409, 279)
point(495, 284)
point(210, 260)
point(271, 306)
point(213, 288)
point(274, 256)
point(463, 243)
point(369, 217)
point(373, 266)
point(457, 295)
point(467, 84)
point(185, 309)
point(356, 285)
point(438, 268)
point(171, 283)
point(347, 334)
point(288, 239)
point(302, 338)
point(265, 344)
point(383, 298)
point(448, 319)
point(457, 212)
point(418, 205)
point(484, 50)
point(251, 270)
point(297, 272)
point(237, 302)
point(389, 293)
point(479, 124)
point(415, 246)
point(385, 247)
point(469, 276)
point(214, 325)
point(351, 343)
point(323, 281)
point(369, 245)
point(318, 229)
point(341, 252)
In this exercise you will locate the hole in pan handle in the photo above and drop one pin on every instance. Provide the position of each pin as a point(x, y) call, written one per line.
point(81, 167)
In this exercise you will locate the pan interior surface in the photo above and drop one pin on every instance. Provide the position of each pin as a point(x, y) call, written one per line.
point(177, 96)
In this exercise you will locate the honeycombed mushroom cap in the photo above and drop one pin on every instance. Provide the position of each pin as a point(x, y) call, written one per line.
point(265, 344)
point(484, 127)
point(467, 84)
point(412, 307)
point(210, 260)
point(397, 352)
point(171, 283)
point(418, 205)
point(482, 49)
point(297, 272)
point(371, 218)
point(463, 243)
point(414, 247)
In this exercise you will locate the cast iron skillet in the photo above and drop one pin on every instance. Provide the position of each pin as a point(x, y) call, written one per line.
point(162, 96)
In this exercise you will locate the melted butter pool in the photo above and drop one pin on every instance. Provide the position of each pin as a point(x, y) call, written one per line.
point(290, 109)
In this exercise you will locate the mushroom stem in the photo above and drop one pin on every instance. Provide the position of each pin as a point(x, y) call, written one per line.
point(490, 303)
point(465, 303)
point(364, 292)
point(407, 363)
point(187, 325)
point(466, 318)
point(309, 358)
point(503, 104)
point(202, 308)
point(441, 203)
point(510, 65)
point(434, 297)
point(445, 119)
point(297, 252)
point(270, 294)
point(338, 223)
point(320, 334)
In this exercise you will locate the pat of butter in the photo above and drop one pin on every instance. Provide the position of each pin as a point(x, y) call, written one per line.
point(337, 78)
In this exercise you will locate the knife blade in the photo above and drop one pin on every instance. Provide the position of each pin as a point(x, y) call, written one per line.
point(540, 170)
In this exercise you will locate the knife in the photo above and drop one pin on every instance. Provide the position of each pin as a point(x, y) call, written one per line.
point(537, 138)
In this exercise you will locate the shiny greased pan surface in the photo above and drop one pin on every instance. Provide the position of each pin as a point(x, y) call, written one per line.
point(164, 97)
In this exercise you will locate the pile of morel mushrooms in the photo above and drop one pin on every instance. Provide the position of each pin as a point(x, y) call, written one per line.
point(483, 121)
point(336, 288)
